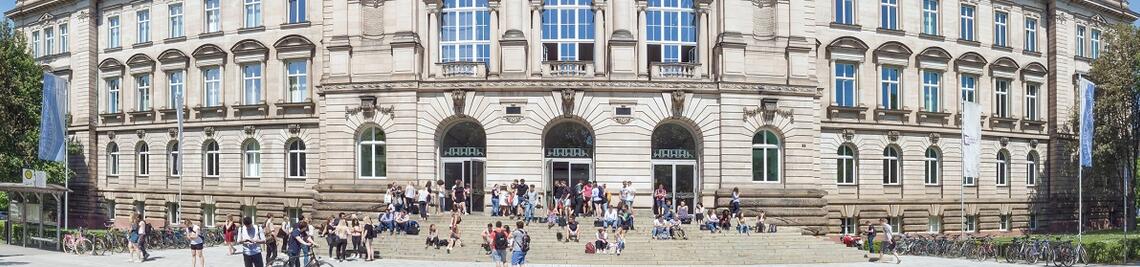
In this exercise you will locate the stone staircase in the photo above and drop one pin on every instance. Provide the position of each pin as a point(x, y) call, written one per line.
point(702, 248)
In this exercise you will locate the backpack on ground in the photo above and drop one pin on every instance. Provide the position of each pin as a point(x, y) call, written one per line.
point(598, 223)
point(558, 236)
point(590, 248)
point(500, 240)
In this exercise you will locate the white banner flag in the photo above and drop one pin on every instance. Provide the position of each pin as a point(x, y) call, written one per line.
point(971, 139)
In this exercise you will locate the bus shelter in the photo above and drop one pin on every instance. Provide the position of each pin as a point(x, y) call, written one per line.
point(34, 215)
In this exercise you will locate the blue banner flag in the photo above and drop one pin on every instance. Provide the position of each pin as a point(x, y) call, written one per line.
point(53, 123)
point(1088, 89)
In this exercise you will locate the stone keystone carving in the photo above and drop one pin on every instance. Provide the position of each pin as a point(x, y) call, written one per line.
point(209, 131)
point(248, 129)
point(294, 128)
point(893, 136)
point(173, 132)
point(848, 134)
point(111, 135)
point(140, 133)
point(934, 137)
point(1033, 143)
point(678, 102)
point(458, 100)
point(567, 102)
point(1004, 141)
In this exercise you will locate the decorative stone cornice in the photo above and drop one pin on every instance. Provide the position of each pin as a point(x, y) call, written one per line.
point(695, 87)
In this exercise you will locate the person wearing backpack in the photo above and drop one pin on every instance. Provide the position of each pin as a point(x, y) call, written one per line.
point(520, 245)
point(499, 245)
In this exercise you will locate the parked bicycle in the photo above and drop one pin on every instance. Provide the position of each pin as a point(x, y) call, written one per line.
point(314, 260)
point(77, 242)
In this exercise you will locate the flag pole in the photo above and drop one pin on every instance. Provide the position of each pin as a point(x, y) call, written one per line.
point(66, 161)
point(181, 171)
point(962, 186)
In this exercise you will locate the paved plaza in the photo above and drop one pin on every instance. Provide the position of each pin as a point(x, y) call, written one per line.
point(25, 257)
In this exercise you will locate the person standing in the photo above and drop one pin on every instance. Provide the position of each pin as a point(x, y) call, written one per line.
point(498, 242)
point(531, 202)
point(520, 245)
point(632, 195)
point(271, 238)
point(422, 198)
point(194, 234)
point(888, 241)
point(459, 196)
point(298, 242)
point(369, 235)
point(410, 197)
point(251, 237)
point(735, 201)
point(870, 245)
point(229, 231)
point(144, 233)
point(659, 199)
point(133, 237)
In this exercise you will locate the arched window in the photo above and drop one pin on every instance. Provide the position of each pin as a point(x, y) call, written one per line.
point(765, 157)
point(671, 30)
point(172, 159)
point(112, 159)
point(464, 139)
point(212, 157)
point(252, 152)
point(465, 34)
point(845, 163)
point(568, 30)
point(673, 141)
point(372, 150)
point(142, 158)
point(933, 168)
point(296, 159)
point(569, 139)
point(1031, 168)
point(1003, 168)
point(892, 166)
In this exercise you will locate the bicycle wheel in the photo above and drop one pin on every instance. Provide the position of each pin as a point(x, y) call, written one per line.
point(1031, 255)
point(82, 247)
point(97, 247)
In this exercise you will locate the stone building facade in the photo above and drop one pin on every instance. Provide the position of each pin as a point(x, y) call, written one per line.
point(821, 113)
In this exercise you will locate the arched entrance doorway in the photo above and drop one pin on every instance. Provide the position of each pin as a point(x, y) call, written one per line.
point(568, 150)
point(463, 153)
point(674, 158)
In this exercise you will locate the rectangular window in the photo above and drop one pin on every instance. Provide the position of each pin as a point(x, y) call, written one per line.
point(568, 31)
point(177, 84)
point(889, 14)
point(1032, 221)
point(64, 47)
point(293, 214)
point(931, 91)
point(248, 211)
point(176, 26)
point(969, 88)
point(208, 211)
point(971, 223)
point(1080, 40)
point(514, 110)
point(1031, 34)
point(213, 16)
point(1031, 101)
point(671, 31)
point(173, 159)
point(298, 78)
point(142, 86)
point(113, 32)
point(968, 181)
point(934, 224)
point(845, 12)
point(1001, 98)
point(966, 23)
point(889, 81)
point(1006, 223)
point(49, 41)
point(112, 95)
point(1001, 28)
point(896, 225)
point(848, 225)
point(36, 44)
point(251, 84)
point(465, 32)
point(930, 17)
point(845, 84)
point(173, 213)
point(297, 13)
point(252, 13)
point(212, 86)
point(143, 18)
point(1095, 47)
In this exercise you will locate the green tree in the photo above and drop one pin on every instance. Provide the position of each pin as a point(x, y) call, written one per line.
point(21, 86)
point(1117, 74)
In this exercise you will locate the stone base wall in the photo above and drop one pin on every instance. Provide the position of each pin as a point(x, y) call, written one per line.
point(803, 208)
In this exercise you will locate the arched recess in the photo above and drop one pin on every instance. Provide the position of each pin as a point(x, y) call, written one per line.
point(568, 152)
point(462, 148)
point(675, 159)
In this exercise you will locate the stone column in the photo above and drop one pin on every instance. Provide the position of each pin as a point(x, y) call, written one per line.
point(536, 59)
point(496, 58)
point(432, 37)
point(599, 38)
point(642, 55)
point(703, 43)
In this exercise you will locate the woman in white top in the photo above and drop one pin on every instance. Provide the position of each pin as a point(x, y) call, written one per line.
point(699, 213)
point(194, 234)
point(713, 223)
point(611, 219)
point(422, 199)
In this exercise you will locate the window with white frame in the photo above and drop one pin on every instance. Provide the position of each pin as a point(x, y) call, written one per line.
point(968, 181)
point(113, 94)
point(293, 215)
point(49, 41)
point(1080, 40)
point(113, 159)
point(1001, 28)
point(297, 13)
point(1001, 98)
point(208, 215)
point(845, 12)
point(1095, 47)
point(568, 30)
point(252, 13)
point(252, 152)
point(848, 226)
point(212, 86)
point(765, 157)
point(1031, 34)
point(177, 28)
point(934, 224)
point(113, 32)
point(892, 166)
point(1006, 222)
point(971, 223)
point(1032, 221)
point(373, 150)
point(889, 14)
point(1031, 90)
point(930, 17)
point(671, 30)
point(932, 166)
point(36, 44)
point(889, 81)
point(896, 224)
point(142, 88)
point(173, 213)
point(213, 10)
point(64, 46)
point(298, 80)
point(248, 211)
point(142, 159)
point(465, 33)
point(1002, 168)
point(845, 163)
point(176, 80)
point(173, 161)
point(845, 85)
point(297, 167)
point(251, 84)
point(212, 157)
point(1031, 168)
point(142, 19)
point(140, 208)
point(969, 88)
point(931, 91)
point(966, 22)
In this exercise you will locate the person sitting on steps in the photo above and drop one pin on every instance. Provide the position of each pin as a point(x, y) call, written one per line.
point(572, 230)
point(760, 222)
point(611, 219)
point(742, 225)
point(660, 230)
point(725, 220)
point(683, 213)
point(600, 242)
point(432, 237)
point(712, 222)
